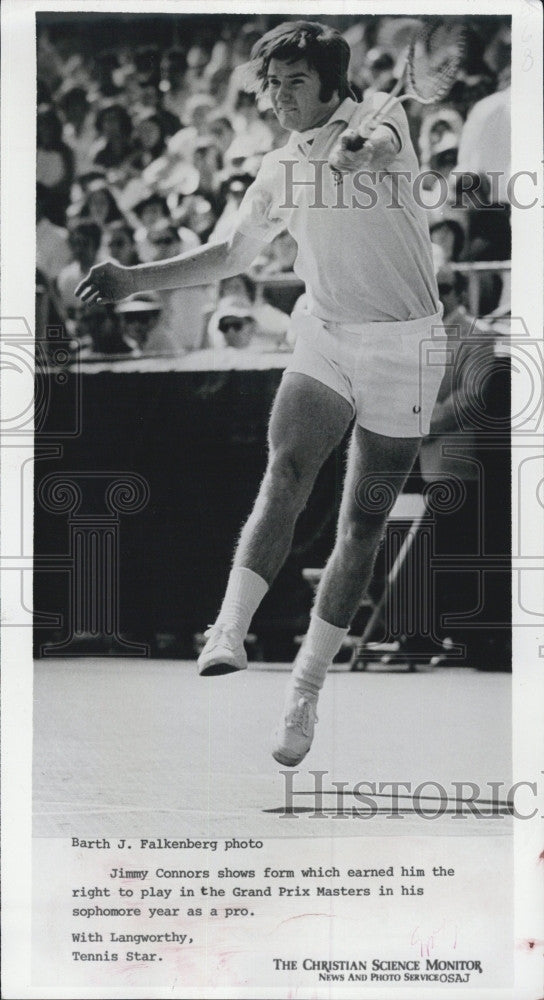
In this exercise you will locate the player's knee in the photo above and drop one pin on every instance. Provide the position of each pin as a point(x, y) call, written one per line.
point(289, 472)
point(360, 530)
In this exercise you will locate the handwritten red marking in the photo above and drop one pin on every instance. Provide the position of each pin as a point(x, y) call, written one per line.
point(427, 943)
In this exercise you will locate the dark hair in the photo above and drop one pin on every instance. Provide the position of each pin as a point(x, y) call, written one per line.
point(153, 119)
point(71, 96)
point(120, 226)
point(123, 118)
point(147, 62)
point(153, 199)
point(114, 212)
point(323, 48)
point(89, 229)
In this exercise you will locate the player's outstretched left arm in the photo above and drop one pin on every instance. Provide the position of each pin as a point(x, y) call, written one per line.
point(379, 150)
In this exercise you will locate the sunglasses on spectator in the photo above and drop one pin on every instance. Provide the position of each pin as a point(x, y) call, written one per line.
point(163, 241)
point(443, 289)
point(227, 324)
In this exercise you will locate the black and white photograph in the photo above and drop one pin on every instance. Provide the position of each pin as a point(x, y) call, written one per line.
point(272, 518)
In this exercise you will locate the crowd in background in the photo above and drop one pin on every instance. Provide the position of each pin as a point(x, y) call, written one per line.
point(146, 150)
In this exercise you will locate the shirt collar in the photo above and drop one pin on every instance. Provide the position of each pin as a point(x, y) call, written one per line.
point(343, 114)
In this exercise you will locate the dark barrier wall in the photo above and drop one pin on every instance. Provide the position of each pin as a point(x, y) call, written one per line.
point(197, 443)
point(198, 439)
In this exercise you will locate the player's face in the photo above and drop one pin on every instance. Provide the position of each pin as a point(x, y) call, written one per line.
point(294, 92)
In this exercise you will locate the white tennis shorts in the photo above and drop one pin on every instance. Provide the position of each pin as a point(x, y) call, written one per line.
point(390, 373)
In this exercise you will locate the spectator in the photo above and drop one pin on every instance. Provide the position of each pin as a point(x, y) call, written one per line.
point(219, 69)
point(485, 141)
point(180, 327)
point(79, 131)
point(476, 80)
point(100, 205)
point(49, 312)
point(448, 239)
point(484, 150)
point(442, 159)
point(196, 213)
point(120, 244)
point(272, 324)
point(232, 325)
point(378, 71)
point(114, 126)
point(149, 141)
point(85, 239)
point(434, 127)
point(220, 127)
point(52, 244)
point(195, 79)
point(152, 209)
point(99, 333)
point(231, 192)
point(54, 163)
point(200, 85)
point(155, 211)
point(138, 315)
point(105, 65)
point(147, 64)
point(240, 48)
point(150, 101)
point(174, 66)
point(253, 134)
point(198, 109)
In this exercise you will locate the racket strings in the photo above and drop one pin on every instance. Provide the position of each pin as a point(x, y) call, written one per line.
point(436, 84)
point(433, 65)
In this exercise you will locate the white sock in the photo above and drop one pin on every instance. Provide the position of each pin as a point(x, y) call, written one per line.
point(245, 591)
point(321, 644)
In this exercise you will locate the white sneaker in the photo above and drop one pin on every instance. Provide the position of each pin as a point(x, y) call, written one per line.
point(295, 732)
point(223, 653)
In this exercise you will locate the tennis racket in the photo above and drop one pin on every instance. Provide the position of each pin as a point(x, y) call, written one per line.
point(433, 59)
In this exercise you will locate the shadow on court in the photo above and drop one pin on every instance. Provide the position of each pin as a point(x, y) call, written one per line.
point(147, 748)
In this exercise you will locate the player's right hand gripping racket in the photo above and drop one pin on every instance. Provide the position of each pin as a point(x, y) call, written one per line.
point(432, 62)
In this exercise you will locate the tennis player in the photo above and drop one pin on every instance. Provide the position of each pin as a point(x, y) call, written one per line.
point(364, 254)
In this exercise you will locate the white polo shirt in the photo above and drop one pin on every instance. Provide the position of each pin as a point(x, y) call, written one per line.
point(364, 250)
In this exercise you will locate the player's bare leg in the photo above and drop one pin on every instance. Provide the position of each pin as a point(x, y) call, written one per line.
point(377, 469)
point(308, 420)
